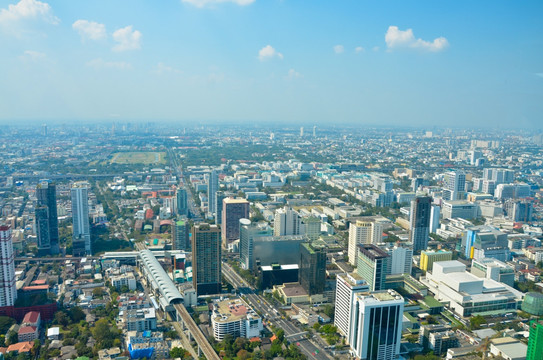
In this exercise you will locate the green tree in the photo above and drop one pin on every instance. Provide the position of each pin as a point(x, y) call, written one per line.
point(177, 352)
point(5, 324)
point(76, 314)
point(476, 322)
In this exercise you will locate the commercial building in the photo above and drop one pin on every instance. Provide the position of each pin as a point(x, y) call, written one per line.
point(219, 197)
point(276, 274)
point(429, 257)
point(47, 197)
point(282, 250)
point(206, 259)
point(535, 342)
point(363, 232)
point(233, 211)
point(180, 235)
point(468, 294)
point(419, 221)
point(485, 241)
point(182, 202)
point(435, 214)
point(287, 222)
point(347, 286)
point(81, 239)
point(373, 266)
point(312, 272)
point(236, 318)
point(455, 184)
point(401, 257)
point(533, 303)
point(376, 324)
point(459, 209)
point(41, 219)
point(8, 289)
point(212, 188)
point(493, 269)
point(247, 233)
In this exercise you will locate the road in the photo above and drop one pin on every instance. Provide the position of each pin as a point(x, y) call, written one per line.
point(197, 334)
point(261, 305)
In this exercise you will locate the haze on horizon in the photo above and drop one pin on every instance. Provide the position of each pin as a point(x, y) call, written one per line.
point(406, 63)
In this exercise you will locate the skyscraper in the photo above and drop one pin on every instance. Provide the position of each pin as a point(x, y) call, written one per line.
point(247, 233)
point(182, 207)
point(206, 259)
point(312, 273)
point(219, 197)
point(8, 288)
point(180, 235)
point(372, 266)
point(455, 184)
point(233, 210)
point(42, 230)
point(535, 342)
point(46, 193)
point(419, 229)
point(363, 232)
point(81, 240)
point(435, 215)
point(347, 286)
point(212, 188)
point(376, 325)
point(287, 222)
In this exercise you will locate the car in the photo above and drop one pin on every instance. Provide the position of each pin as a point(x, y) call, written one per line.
point(297, 344)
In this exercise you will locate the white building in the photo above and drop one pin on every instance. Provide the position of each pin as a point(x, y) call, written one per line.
point(459, 209)
point(363, 232)
point(129, 280)
point(235, 317)
point(435, 214)
point(468, 294)
point(377, 325)
point(80, 218)
point(347, 286)
point(8, 289)
point(287, 222)
point(401, 257)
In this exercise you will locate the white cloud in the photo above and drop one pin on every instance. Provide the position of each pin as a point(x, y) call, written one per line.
point(90, 29)
point(33, 55)
point(162, 68)
point(127, 39)
point(204, 3)
point(268, 52)
point(338, 49)
point(359, 49)
point(28, 9)
point(101, 64)
point(397, 39)
point(293, 74)
point(375, 48)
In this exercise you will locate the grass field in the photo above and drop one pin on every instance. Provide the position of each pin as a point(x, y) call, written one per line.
point(144, 157)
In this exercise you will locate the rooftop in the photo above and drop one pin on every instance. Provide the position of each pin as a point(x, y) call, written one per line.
point(232, 310)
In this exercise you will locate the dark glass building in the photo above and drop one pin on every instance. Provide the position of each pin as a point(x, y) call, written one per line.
point(46, 193)
point(312, 272)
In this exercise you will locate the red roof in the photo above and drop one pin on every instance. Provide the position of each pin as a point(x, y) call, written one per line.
point(27, 330)
point(24, 346)
point(31, 317)
point(35, 287)
point(39, 282)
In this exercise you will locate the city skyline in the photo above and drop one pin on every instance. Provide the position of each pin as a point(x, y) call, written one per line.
point(247, 61)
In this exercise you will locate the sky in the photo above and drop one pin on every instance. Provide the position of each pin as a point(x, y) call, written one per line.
point(408, 62)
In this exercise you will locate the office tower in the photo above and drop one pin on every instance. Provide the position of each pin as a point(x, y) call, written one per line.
point(347, 286)
point(233, 210)
point(455, 184)
point(287, 222)
point(182, 202)
point(429, 257)
point(535, 341)
point(488, 187)
point(363, 232)
point(312, 273)
point(46, 193)
point(401, 258)
point(377, 325)
point(416, 183)
point(206, 259)
point(372, 266)
point(435, 214)
point(311, 227)
point(212, 188)
point(219, 197)
point(41, 215)
point(180, 235)
point(519, 210)
point(419, 222)
point(301, 131)
point(247, 233)
point(81, 240)
point(8, 288)
point(485, 241)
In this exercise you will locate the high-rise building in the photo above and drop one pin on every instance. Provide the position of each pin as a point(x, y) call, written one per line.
point(287, 222)
point(519, 210)
point(312, 273)
point(180, 235)
point(372, 266)
point(419, 219)
point(429, 257)
point(435, 214)
point(219, 197)
point(46, 194)
point(311, 227)
point(8, 288)
point(377, 325)
point(401, 257)
point(212, 188)
point(233, 210)
point(455, 184)
point(347, 286)
point(182, 202)
point(81, 240)
point(363, 232)
point(535, 341)
point(206, 259)
point(42, 230)
point(247, 233)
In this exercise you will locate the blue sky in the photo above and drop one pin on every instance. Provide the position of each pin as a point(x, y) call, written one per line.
point(421, 63)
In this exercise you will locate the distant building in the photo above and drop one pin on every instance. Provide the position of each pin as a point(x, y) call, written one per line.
point(459, 209)
point(80, 217)
point(455, 184)
point(47, 197)
point(373, 266)
point(419, 221)
point(219, 197)
point(233, 210)
point(493, 269)
point(485, 241)
point(363, 232)
point(206, 259)
point(41, 219)
point(182, 202)
point(287, 222)
point(212, 188)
